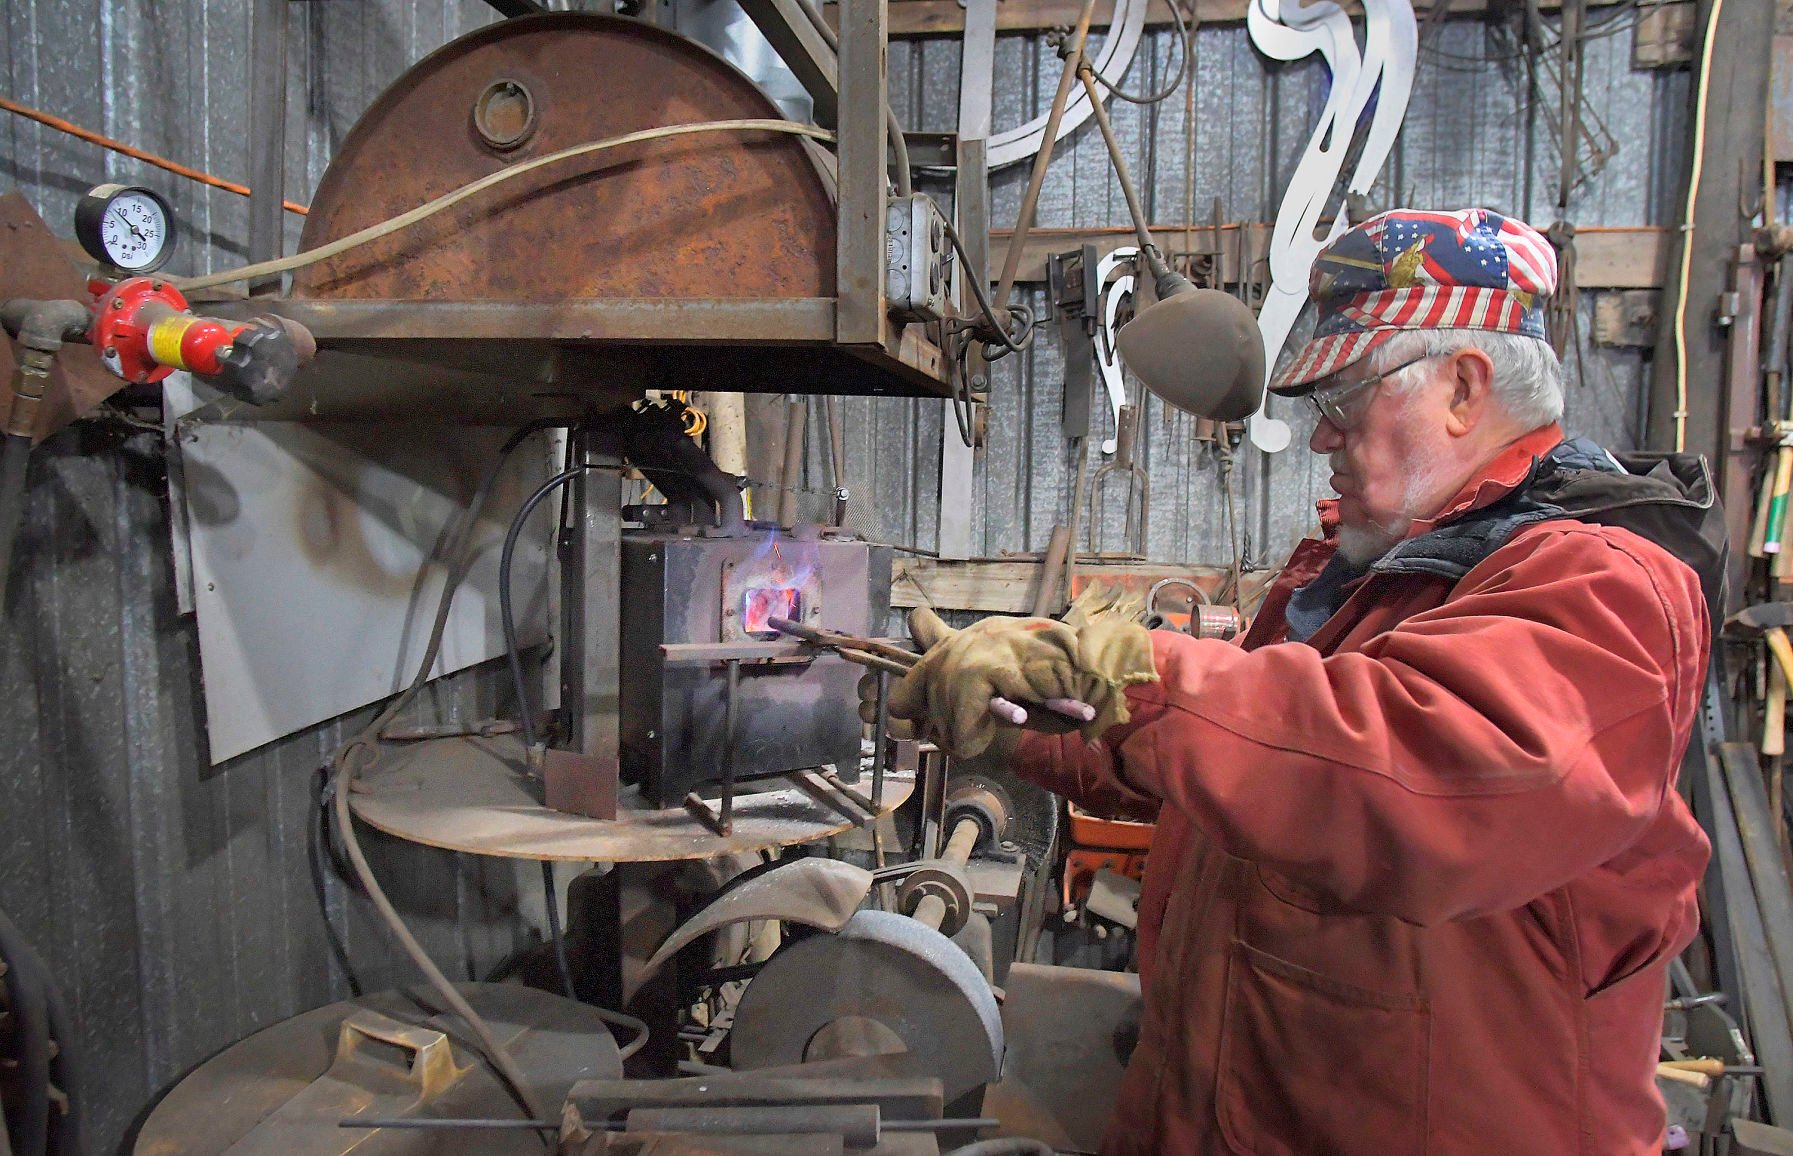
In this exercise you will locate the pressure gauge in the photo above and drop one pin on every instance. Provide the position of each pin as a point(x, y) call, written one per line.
point(125, 226)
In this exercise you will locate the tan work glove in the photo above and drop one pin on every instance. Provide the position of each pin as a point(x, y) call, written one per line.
point(1028, 662)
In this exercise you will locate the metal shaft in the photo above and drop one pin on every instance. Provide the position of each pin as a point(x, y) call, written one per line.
point(959, 845)
point(1011, 263)
point(730, 715)
point(791, 476)
point(1087, 74)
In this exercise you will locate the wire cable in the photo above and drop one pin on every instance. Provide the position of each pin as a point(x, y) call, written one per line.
point(551, 900)
point(1182, 73)
point(507, 615)
point(344, 768)
point(447, 200)
point(1021, 317)
point(148, 158)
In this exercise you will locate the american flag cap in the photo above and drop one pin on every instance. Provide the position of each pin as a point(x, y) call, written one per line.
point(1406, 269)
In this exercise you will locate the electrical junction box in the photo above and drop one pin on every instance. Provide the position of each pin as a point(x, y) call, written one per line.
point(916, 256)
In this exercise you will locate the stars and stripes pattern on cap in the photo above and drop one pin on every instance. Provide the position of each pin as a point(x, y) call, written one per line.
point(1406, 270)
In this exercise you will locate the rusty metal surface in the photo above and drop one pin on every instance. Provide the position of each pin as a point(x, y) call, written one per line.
point(33, 263)
point(716, 215)
point(508, 361)
point(285, 1087)
point(794, 319)
point(1064, 1071)
point(471, 794)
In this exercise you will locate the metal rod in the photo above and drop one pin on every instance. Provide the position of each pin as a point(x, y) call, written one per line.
point(881, 741)
point(796, 421)
point(1051, 570)
point(975, 1123)
point(884, 665)
point(730, 718)
point(267, 138)
point(491, 1125)
point(834, 780)
point(856, 809)
point(1070, 567)
point(1087, 74)
point(894, 658)
point(837, 457)
point(1011, 262)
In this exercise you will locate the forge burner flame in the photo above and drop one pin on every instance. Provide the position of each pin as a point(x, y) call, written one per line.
point(761, 603)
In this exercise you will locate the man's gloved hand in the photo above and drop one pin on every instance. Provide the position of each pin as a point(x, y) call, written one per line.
point(1027, 661)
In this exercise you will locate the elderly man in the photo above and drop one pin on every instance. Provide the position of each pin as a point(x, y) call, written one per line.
point(1420, 863)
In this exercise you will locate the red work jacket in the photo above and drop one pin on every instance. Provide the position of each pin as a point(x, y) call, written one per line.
point(1417, 880)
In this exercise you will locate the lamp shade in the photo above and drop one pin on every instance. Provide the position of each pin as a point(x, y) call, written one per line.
point(1198, 350)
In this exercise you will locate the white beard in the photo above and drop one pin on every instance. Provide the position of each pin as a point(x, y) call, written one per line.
point(1364, 543)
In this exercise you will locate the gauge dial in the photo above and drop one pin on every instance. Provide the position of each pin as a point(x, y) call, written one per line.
point(127, 227)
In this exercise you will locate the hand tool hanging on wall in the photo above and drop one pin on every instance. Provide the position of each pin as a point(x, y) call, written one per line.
point(1116, 298)
point(1138, 501)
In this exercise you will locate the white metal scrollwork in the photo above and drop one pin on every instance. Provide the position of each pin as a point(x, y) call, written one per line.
point(1287, 30)
point(1111, 59)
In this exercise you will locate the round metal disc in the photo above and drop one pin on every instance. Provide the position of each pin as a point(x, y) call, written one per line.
point(474, 795)
point(881, 967)
point(225, 1102)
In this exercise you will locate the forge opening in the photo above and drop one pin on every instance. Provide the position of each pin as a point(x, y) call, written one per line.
point(759, 604)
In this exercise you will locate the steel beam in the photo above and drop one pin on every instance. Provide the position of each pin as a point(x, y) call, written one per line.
point(810, 57)
point(859, 252)
point(591, 608)
point(971, 205)
point(267, 137)
point(788, 320)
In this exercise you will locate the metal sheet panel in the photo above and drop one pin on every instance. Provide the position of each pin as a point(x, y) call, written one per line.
point(317, 565)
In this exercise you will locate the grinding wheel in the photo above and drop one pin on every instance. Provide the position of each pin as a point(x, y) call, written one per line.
point(908, 980)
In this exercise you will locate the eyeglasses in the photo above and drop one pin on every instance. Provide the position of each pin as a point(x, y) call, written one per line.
point(1345, 405)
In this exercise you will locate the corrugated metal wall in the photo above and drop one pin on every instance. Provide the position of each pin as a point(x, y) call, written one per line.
point(177, 901)
point(1464, 143)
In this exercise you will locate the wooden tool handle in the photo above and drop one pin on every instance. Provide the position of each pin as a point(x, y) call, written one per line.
point(1682, 1076)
